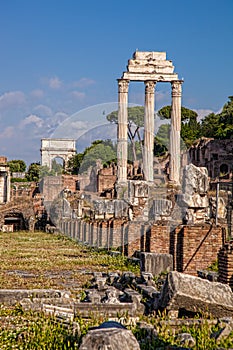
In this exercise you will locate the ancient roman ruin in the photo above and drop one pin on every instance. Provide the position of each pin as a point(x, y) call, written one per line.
point(52, 148)
point(174, 229)
point(150, 68)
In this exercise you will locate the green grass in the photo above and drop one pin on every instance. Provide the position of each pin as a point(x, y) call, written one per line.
point(202, 331)
point(41, 260)
point(52, 260)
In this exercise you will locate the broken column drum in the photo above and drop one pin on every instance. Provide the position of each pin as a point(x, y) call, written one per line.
point(150, 68)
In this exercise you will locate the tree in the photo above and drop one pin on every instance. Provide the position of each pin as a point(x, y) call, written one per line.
point(135, 122)
point(97, 151)
point(219, 126)
point(33, 173)
point(163, 135)
point(210, 125)
point(74, 163)
point(101, 150)
point(16, 166)
point(190, 127)
point(57, 168)
point(186, 113)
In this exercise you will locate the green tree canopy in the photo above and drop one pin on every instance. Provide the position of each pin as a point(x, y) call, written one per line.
point(17, 165)
point(135, 116)
point(190, 127)
point(186, 114)
point(74, 163)
point(102, 150)
point(33, 173)
point(219, 126)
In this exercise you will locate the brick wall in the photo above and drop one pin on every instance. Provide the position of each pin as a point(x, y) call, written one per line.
point(193, 247)
point(198, 247)
point(225, 264)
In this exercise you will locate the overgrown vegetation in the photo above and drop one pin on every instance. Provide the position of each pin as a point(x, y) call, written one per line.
point(203, 329)
point(41, 260)
point(29, 330)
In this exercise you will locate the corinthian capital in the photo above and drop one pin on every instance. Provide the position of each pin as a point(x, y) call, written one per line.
point(176, 88)
point(123, 85)
point(150, 87)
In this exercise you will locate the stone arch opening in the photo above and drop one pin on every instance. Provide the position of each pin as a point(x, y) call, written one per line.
point(14, 222)
point(58, 164)
point(224, 169)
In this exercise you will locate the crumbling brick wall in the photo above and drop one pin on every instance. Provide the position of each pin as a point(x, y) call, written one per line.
point(106, 179)
point(225, 264)
point(193, 247)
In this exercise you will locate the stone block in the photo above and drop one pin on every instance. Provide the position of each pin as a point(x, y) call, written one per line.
point(156, 263)
point(120, 208)
point(162, 207)
point(195, 200)
point(147, 55)
point(193, 294)
point(195, 180)
point(222, 211)
point(140, 189)
point(113, 337)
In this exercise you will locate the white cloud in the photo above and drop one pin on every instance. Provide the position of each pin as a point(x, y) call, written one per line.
point(37, 93)
point(31, 119)
point(8, 132)
point(55, 83)
point(78, 95)
point(60, 116)
point(43, 110)
point(83, 82)
point(12, 99)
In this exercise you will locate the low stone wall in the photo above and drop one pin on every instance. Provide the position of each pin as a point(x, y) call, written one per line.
point(193, 247)
point(114, 233)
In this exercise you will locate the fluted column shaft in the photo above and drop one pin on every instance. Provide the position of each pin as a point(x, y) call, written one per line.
point(122, 130)
point(148, 153)
point(175, 132)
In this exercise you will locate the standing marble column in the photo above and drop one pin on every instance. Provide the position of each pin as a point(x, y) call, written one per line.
point(148, 154)
point(122, 131)
point(175, 132)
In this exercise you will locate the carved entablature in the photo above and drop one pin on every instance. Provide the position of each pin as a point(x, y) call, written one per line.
point(123, 85)
point(177, 88)
point(149, 87)
point(150, 66)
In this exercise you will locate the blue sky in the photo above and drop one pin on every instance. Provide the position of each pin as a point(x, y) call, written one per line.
point(59, 57)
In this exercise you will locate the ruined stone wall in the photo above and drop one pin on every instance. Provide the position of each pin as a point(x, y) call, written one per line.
point(69, 182)
point(105, 182)
point(193, 247)
point(215, 155)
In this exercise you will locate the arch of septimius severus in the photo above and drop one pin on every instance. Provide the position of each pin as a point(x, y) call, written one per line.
point(150, 68)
